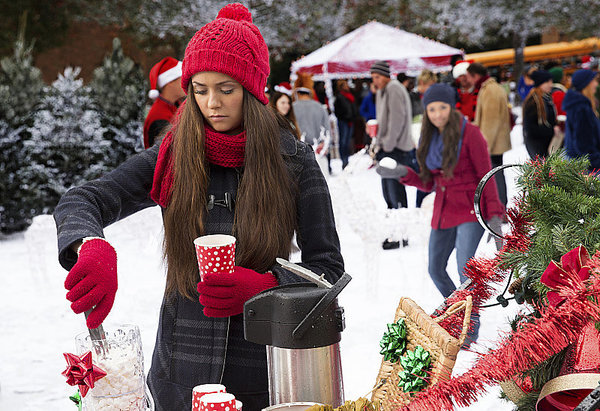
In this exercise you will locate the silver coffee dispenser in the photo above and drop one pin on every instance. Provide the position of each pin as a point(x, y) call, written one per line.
point(301, 326)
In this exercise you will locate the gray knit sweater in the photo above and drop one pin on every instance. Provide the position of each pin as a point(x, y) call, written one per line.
point(394, 117)
point(311, 118)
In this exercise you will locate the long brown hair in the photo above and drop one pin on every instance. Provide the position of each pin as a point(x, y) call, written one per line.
point(590, 92)
point(265, 208)
point(536, 96)
point(451, 137)
point(290, 116)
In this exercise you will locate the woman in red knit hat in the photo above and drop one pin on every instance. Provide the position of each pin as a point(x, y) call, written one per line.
point(228, 146)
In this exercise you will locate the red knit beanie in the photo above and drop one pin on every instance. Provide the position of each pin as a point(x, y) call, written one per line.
point(231, 45)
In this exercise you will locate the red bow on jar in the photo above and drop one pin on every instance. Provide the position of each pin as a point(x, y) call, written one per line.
point(572, 268)
point(82, 372)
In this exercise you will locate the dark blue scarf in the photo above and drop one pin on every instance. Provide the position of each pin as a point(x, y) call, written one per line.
point(436, 147)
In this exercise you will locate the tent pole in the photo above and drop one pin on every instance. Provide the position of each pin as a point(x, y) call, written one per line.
point(335, 151)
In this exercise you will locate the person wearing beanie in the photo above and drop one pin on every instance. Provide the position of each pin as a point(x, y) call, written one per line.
point(167, 94)
point(453, 158)
point(394, 140)
point(558, 91)
point(228, 165)
point(493, 117)
point(539, 115)
point(582, 128)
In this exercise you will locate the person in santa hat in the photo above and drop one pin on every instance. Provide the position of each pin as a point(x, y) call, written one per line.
point(168, 95)
point(467, 98)
point(228, 165)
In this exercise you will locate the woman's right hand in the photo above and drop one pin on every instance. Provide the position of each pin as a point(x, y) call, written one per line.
point(92, 282)
point(398, 172)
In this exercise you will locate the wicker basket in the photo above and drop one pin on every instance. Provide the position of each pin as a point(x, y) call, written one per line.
point(424, 331)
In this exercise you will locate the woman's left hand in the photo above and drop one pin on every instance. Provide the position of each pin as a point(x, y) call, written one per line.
point(224, 294)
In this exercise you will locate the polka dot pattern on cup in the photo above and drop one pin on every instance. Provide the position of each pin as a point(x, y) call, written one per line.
point(215, 259)
point(200, 390)
point(218, 402)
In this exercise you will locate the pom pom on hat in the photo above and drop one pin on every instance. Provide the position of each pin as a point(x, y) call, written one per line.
point(235, 11)
point(153, 94)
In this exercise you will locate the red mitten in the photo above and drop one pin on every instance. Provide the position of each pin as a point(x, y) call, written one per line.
point(224, 294)
point(92, 282)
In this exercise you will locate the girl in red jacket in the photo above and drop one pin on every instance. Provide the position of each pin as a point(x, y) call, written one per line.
point(452, 157)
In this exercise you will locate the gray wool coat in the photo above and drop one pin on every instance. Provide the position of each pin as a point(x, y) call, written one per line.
point(193, 349)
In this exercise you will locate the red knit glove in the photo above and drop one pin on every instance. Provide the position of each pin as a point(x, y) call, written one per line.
point(224, 294)
point(92, 282)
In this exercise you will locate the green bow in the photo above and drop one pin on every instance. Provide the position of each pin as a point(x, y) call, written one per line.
point(414, 376)
point(393, 342)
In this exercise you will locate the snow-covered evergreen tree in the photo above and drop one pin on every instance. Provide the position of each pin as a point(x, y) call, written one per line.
point(21, 88)
point(119, 92)
point(67, 145)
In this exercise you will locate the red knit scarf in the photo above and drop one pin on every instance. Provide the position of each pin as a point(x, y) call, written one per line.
point(348, 95)
point(221, 149)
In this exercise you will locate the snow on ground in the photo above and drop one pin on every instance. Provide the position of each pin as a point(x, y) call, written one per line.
point(37, 326)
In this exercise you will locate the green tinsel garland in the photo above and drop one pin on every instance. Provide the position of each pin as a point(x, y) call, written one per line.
point(393, 342)
point(415, 364)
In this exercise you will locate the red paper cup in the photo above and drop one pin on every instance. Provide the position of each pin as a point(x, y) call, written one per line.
point(216, 254)
point(221, 401)
point(372, 126)
point(200, 390)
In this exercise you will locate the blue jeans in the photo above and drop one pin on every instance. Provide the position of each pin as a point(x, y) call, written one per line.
point(394, 192)
point(465, 238)
point(346, 131)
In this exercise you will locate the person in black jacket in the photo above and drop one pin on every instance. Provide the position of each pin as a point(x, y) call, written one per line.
point(539, 115)
point(346, 111)
point(225, 145)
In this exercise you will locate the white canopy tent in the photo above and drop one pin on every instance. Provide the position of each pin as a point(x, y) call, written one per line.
point(352, 55)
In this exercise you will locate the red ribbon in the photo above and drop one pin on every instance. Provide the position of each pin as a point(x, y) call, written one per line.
point(573, 268)
point(82, 372)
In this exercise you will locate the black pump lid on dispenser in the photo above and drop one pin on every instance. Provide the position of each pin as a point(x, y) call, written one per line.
point(299, 315)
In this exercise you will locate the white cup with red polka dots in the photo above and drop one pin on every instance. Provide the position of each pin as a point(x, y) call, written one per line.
point(216, 254)
point(220, 401)
point(203, 389)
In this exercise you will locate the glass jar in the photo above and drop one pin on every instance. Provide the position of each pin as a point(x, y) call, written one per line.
point(120, 355)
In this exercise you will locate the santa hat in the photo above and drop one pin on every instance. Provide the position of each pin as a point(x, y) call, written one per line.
point(460, 68)
point(586, 62)
point(163, 72)
point(285, 88)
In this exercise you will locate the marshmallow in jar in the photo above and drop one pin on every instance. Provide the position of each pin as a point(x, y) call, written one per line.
point(124, 386)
